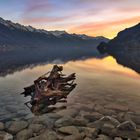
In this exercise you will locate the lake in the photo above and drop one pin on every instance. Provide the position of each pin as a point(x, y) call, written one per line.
point(100, 82)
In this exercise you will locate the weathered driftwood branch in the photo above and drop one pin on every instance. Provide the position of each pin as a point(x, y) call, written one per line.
point(48, 90)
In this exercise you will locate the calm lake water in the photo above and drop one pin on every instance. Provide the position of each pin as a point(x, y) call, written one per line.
point(98, 80)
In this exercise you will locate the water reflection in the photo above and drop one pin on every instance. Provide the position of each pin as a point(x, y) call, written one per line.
point(98, 79)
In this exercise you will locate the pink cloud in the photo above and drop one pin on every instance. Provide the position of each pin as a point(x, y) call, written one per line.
point(38, 20)
point(100, 27)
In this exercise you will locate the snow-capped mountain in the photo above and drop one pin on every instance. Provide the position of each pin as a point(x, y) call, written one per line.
point(17, 26)
point(24, 45)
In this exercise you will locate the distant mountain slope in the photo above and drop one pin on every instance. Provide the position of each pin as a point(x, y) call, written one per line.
point(125, 47)
point(16, 34)
point(24, 45)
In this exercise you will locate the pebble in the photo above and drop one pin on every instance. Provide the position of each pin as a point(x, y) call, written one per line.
point(1, 126)
point(79, 136)
point(103, 137)
point(36, 128)
point(5, 136)
point(16, 126)
point(117, 107)
point(70, 130)
point(93, 116)
point(118, 138)
point(64, 121)
point(68, 112)
point(127, 125)
point(24, 134)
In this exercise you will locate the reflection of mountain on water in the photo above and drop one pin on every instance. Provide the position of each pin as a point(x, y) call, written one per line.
point(22, 46)
point(10, 66)
point(125, 47)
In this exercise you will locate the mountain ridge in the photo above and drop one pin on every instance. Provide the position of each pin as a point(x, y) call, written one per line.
point(125, 47)
point(24, 46)
point(56, 33)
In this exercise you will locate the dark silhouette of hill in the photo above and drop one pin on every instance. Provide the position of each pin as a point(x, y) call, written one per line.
point(125, 47)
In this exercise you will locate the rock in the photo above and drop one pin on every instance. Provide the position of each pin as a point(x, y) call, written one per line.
point(80, 122)
point(136, 119)
point(35, 138)
point(24, 134)
point(5, 136)
point(127, 125)
point(68, 112)
point(138, 132)
point(50, 135)
point(47, 135)
point(107, 128)
point(98, 107)
point(107, 112)
point(124, 130)
point(84, 107)
point(109, 120)
point(16, 126)
point(118, 138)
point(36, 128)
point(44, 120)
point(1, 126)
point(104, 120)
point(93, 116)
point(103, 137)
point(54, 116)
point(82, 113)
point(117, 107)
point(87, 138)
point(64, 121)
point(71, 130)
point(124, 134)
point(89, 132)
point(79, 136)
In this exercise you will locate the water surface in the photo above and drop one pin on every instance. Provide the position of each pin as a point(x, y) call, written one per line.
point(99, 80)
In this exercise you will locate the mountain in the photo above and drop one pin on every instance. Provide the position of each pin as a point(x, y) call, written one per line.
point(125, 47)
point(16, 34)
point(25, 45)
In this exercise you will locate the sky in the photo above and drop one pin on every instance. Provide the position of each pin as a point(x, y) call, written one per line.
point(91, 17)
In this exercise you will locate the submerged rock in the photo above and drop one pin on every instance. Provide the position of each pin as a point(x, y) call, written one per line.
point(103, 137)
point(5, 136)
point(16, 126)
point(36, 128)
point(79, 136)
point(127, 125)
point(71, 130)
point(24, 134)
point(1, 126)
point(64, 121)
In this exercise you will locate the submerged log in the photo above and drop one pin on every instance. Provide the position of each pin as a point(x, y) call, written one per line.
point(48, 90)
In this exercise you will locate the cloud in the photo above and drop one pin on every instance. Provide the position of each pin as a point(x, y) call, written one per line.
point(103, 28)
point(37, 5)
point(38, 20)
point(93, 17)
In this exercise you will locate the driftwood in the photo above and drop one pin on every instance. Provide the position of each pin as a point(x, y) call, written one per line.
point(48, 90)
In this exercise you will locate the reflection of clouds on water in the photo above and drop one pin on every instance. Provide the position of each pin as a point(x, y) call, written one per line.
point(108, 64)
point(98, 79)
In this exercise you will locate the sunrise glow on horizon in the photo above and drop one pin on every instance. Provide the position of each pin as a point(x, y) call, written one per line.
point(91, 17)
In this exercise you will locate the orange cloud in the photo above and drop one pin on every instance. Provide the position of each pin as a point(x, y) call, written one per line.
point(108, 28)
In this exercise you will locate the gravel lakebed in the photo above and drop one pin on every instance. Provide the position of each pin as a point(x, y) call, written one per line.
point(98, 118)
